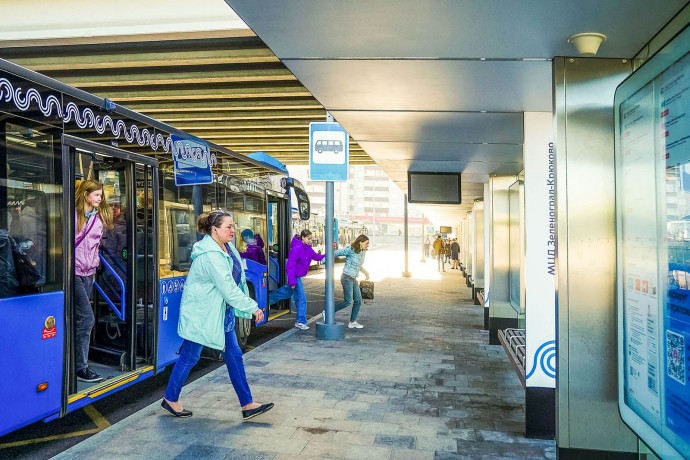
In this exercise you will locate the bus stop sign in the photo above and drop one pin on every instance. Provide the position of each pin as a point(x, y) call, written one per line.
point(329, 152)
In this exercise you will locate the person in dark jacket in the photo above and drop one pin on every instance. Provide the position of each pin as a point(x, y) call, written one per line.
point(454, 255)
point(299, 259)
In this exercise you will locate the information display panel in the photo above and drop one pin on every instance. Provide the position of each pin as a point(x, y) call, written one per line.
point(652, 109)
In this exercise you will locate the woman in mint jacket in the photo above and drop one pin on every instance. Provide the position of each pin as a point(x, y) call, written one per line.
point(214, 292)
point(354, 258)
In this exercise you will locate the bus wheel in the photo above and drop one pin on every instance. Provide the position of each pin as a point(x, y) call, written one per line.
point(243, 327)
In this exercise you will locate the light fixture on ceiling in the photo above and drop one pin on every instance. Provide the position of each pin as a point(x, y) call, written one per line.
point(587, 43)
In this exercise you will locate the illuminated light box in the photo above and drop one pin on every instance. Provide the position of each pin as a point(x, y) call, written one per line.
point(653, 273)
point(433, 187)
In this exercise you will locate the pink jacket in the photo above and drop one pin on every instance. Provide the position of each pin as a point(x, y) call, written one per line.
point(86, 259)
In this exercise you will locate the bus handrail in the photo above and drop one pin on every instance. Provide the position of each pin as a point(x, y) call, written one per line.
point(118, 263)
point(121, 312)
point(272, 261)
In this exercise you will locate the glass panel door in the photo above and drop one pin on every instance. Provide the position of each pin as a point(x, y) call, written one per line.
point(121, 303)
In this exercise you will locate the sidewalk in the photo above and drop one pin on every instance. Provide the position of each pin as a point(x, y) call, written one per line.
point(418, 382)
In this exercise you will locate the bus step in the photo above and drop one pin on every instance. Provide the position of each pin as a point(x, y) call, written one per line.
point(108, 356)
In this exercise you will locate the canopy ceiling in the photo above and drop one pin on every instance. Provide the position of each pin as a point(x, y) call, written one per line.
point(230, 90)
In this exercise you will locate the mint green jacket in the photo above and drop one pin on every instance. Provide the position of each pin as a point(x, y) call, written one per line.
point(208, 288)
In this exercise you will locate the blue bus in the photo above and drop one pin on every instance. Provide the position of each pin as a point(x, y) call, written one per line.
point(51, 137)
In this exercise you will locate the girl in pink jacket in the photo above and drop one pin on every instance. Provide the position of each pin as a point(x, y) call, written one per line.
point(92, 215)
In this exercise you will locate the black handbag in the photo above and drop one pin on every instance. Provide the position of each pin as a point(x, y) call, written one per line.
point(367, 288)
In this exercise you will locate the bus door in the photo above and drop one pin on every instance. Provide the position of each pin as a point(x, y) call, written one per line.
point(278, 241)
point(124, 298)
point(280, 230)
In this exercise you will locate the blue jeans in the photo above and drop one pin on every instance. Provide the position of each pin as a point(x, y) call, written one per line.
point(189, 356)
point(285, 292)
point(350, 291)
point(83, 319)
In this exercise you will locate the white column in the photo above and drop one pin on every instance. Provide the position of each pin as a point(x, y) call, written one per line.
point(540, 255)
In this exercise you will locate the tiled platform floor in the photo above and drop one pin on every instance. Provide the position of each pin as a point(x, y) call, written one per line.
point(418, 382)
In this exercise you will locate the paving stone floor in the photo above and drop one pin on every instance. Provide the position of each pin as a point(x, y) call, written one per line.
point(418, 382)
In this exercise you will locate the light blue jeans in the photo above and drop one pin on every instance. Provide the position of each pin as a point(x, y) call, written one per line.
point(285, 292)
point(350, 292)
point(189, 356)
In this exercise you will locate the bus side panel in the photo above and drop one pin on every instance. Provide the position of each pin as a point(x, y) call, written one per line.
point(32, 340)
point(169, 314)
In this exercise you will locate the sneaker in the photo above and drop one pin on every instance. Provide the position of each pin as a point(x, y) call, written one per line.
point(354, 325)
point(302, 326)
point(88, 375)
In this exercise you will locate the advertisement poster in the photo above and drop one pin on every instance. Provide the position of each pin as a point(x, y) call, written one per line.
point(674, 108)
point(653, 211)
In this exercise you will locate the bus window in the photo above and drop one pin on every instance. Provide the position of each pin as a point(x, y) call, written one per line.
point(30, 206)
point(177, 228)
point(249, 213)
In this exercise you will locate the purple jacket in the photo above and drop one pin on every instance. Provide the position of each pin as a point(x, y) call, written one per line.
point(86, 259)
point(301, 255)
point(255, 251)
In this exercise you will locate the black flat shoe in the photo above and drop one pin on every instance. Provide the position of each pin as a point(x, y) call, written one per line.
point(183, 413)
point(251, 413)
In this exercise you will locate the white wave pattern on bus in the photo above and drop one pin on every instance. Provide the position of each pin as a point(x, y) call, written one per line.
point(86, 118)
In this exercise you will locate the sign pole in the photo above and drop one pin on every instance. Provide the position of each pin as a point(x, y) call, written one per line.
point(406, 273)
point(423, 240)
point(328, 329)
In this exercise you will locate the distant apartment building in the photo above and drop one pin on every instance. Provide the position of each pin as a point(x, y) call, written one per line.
point(368, 197)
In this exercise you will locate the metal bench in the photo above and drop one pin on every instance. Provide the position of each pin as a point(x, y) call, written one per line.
point(513, 341)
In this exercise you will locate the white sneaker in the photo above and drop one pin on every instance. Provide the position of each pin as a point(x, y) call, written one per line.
point(354, 325)
point(302, 326)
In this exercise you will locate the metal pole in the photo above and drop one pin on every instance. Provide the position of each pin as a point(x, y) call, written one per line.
point(406, 273)
point(423, 240)
point(330, 305)
point(328, 329)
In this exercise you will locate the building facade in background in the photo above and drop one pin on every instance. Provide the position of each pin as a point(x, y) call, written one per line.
point(369, 197)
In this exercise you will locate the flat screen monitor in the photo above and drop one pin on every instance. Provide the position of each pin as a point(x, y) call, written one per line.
point(433, 187)
point(445, 230)
point(652, 120)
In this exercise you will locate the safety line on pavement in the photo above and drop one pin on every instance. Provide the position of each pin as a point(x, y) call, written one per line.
point(95, 416)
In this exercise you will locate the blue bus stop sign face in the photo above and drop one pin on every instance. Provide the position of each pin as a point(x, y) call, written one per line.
point(329, 152)
point(192, 161)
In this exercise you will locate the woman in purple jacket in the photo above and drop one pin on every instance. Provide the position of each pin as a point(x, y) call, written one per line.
point(299, 259)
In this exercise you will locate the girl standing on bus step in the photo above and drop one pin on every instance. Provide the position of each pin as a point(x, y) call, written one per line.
point(354, 258)
point(214, 293)
point(300, 257)
point(92, 215)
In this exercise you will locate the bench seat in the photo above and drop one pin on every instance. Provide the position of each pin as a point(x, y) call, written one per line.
point(513, 341)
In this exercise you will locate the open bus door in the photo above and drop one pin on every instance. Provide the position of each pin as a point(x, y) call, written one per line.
point(280, 234)
point(124, 297)
point(279, 229)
